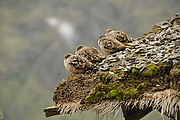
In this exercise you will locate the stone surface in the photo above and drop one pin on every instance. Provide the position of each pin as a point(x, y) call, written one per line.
point(152, 65)
point(162, 44)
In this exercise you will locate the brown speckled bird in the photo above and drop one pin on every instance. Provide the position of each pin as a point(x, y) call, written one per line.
point(110, 45)
point(119, 35)
point(76, 64)
point(91, 53)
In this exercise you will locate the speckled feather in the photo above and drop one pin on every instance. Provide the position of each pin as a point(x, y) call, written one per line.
point(77, 64)
point(110, 45)
point(119, 35)
point(91, 53)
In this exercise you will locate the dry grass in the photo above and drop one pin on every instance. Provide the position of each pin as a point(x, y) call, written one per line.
point(167, 102)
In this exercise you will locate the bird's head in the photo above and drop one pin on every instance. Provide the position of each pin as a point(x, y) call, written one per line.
point(109, 30)
point(67, 55)
point(79, 47)
point(102, 36)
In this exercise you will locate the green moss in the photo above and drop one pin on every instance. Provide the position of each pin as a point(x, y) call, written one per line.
point(113, 93)
point(121, 94)
point(98, 93)
point(151, 70)
point(150, 59)
point(114, 90)
point(116, 93)
point(132, 93)
point(129, 52)
point(105, 77)
point(135, 71)
point(123, 85)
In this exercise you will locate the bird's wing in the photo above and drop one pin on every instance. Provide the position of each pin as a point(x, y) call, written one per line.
point(80, 62)
point(96, 55)
point(123, 37)
point(112, 44)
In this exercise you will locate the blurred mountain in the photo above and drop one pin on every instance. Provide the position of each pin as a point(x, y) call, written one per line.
point(35, 35)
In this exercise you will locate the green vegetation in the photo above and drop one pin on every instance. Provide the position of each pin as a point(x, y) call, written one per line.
point(113, 87)
point(119, 94)
point(135, 71)
point(150, 70)
point(128, 85)
point(98, 93)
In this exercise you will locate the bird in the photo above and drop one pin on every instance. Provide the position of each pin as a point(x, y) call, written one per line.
point(76, 64)
point(110, 45)
point(91, 53)
point(119, 35)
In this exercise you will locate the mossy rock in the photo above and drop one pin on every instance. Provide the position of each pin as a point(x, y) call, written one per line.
point(132, 93)
point(119, 90)
point(165, 68)
point(123, 94)
point(175, 72)
point(98, 93)
point(105, 77)
point(116, 93)
point(135, 71)
point(150, 70)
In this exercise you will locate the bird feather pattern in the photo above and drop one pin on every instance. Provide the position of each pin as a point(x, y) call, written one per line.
point(109, 45)
point(91, 53)
point(119, 35)
point(77, 64)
